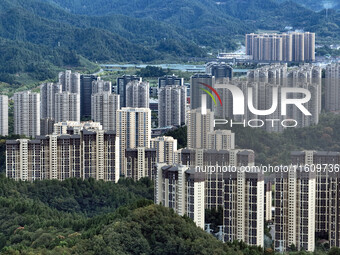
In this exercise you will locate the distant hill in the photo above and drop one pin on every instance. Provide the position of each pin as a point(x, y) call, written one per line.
point(54, 34)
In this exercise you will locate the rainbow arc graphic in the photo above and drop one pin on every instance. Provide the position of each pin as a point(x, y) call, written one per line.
point(210, 94)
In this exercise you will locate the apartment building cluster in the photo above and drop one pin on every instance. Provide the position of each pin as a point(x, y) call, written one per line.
point(189, 187)
point(116, 142)
point(87, 152)
point(196, 182)
point(332, 87)
point(307, 202)
point(286, 47)
point(265, 84)
point(302, 207)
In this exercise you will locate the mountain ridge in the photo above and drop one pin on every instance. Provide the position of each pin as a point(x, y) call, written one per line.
point(142, 30)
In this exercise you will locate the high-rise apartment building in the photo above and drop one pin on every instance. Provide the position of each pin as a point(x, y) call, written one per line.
point(325, 165)
point(221, 140)
point(332, 87)
point(70, 81)
point(225, 111)
point(268, 201)
point(3, 115)
point(298, 47)
point(170, 80)
point(212, 162)
point(172, 106)
point(239, 193)
point(243, 204)
point(74, 127)
point(165, 146)
point(265, 84)
point(121, 86)
point(219, 70)
point(104, 109)
point(67, 107)
point(27, 113)
point(90, 154)
point(86, 93)
point(182, 189)
point(308, 77)
point(100, 86)
point(199, 125)
point(271, 74)
point(309, 46)
point(288, 47)
point(46, 126)
point(47, 99)
point(154, 92)
point(134, 130)
point(197, 82)
point(265, 47)
point(137, 94)
point(294, 201)
point(140, 162)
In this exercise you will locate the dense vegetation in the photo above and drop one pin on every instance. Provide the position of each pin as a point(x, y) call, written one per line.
point(93, 217)
point(39, 37)
point(228, 17)
point(152, 71)
point(181, 135)
point(52, 217)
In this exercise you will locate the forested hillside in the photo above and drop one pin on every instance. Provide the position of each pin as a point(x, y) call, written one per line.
point(52, 217)
point(39, 37)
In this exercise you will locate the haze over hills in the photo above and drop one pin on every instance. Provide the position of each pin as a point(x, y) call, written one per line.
point(38, 36)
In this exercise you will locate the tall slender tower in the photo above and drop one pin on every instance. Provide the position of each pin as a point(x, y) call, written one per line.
point(170, 80)
point(137, 94)
point(101, 86)
point(172, 106)
point(86, 93)
point(332, 101)
point(70, 81)
point(200, 123)
point(165, 146)
point(133, 130)
point(121, 86)
point(47, 99)
point(67, 107)
point(196, 85)
point(104, 109)
point(3, 115)
point(27, 113)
